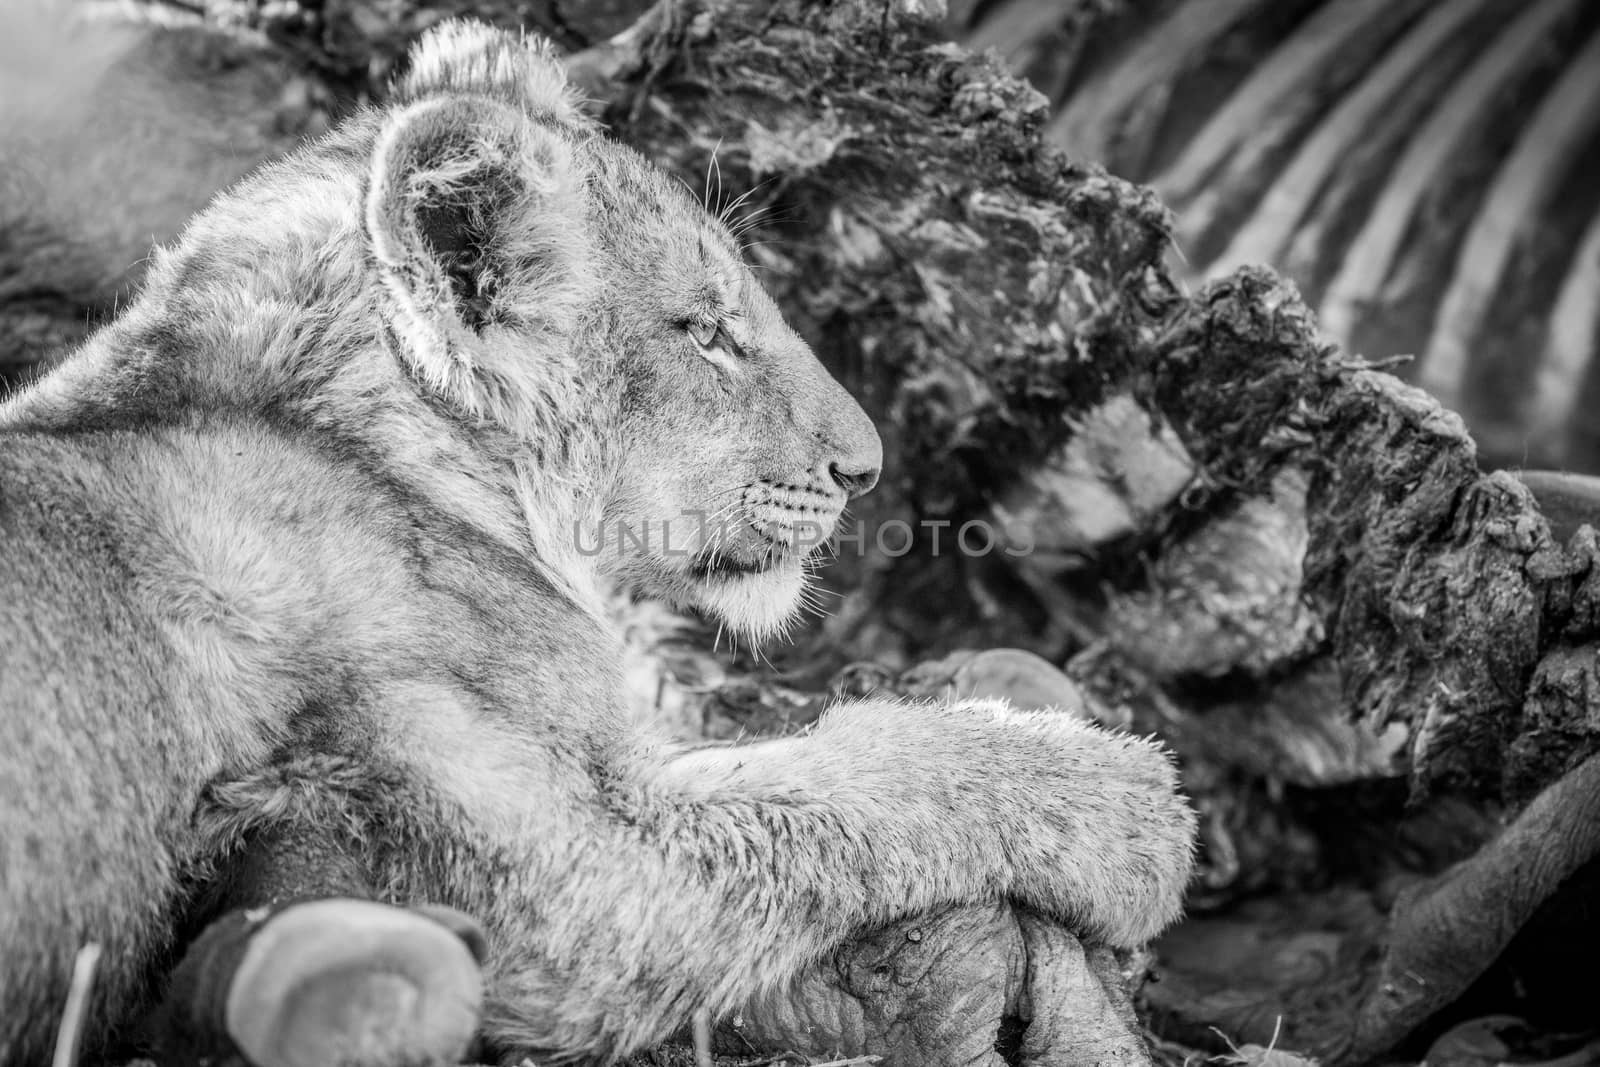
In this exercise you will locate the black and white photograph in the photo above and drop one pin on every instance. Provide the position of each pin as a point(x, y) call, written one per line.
point(799, 533)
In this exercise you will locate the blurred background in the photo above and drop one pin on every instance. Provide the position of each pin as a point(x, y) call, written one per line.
point(1427, 171)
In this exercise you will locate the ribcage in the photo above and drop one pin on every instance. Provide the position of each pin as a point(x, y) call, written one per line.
point(1428, 171)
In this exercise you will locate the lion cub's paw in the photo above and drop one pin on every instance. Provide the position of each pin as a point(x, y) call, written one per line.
point(1104, 837)
point(355, 983)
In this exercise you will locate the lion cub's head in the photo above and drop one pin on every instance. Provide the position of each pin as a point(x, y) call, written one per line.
point(542, 278)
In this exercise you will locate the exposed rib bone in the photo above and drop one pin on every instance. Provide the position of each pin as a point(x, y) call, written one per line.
point(1368, 261)
point(1294, 68)
point(1013, 25)
point(1570, 346)
point(1263, 238)
point(1561, 127)
point(1087, 126)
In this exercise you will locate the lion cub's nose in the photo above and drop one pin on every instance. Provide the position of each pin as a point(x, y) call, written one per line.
point(856, 449)
point(854, 477)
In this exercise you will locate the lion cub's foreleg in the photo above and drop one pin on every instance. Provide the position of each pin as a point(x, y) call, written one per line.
point(948, 802)
point(728, 870)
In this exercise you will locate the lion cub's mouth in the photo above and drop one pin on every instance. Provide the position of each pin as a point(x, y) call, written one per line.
point(739, 561)
point(778, 526)
point(721, 565)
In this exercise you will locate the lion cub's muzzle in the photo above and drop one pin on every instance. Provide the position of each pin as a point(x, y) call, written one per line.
point(793, 517)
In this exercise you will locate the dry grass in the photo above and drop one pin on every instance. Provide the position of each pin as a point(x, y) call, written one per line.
point(69, 1035)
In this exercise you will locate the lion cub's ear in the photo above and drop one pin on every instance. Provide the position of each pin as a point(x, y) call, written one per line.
point(475, 215)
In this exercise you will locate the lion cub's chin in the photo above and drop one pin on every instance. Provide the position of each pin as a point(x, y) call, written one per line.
point(757, 604)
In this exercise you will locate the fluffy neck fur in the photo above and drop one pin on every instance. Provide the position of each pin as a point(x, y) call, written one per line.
point(277, 323)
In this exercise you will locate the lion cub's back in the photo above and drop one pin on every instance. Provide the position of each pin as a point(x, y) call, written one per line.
point(204, 572)
point(91, 768)
point(165, 598)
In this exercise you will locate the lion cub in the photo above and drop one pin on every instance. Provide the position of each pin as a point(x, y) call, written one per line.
point(317, 534)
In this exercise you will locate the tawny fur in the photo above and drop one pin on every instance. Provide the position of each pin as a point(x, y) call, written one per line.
point(303, 534)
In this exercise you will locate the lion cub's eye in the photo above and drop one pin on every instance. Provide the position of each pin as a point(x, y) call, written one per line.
point(715, 343)
point(704, 331)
